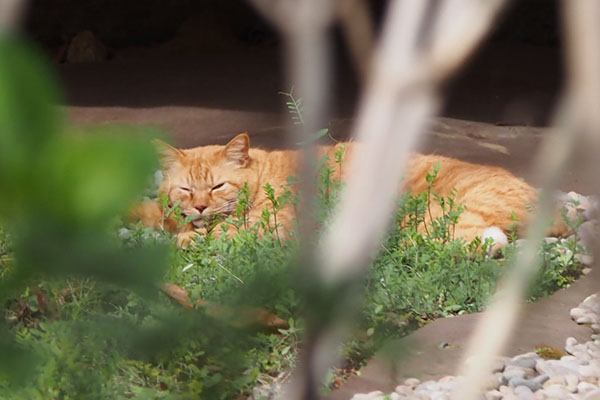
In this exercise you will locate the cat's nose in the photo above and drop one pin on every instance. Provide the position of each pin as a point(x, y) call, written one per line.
point(201, 208)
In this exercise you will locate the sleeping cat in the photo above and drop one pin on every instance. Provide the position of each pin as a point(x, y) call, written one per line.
point(207, 180)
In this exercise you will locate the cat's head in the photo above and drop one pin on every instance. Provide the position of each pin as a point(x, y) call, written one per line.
point(206, 180)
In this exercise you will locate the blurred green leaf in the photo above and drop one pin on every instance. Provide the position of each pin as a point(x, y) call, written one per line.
point(96, 175)
point(28, 119)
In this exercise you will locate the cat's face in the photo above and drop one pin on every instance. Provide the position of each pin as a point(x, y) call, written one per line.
point(206, 180)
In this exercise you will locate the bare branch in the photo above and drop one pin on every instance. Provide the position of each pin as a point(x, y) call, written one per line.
point(291, 16)
point(10, 14)
point(458, 30)
point(583, 66)
point(577, 120)
point(277, 12)
point(399, 100)
point(304, 25)
point(357, 25)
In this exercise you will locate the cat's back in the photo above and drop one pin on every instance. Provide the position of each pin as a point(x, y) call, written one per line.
point(463, 176)
point(275, 166)
point(492, 195)
point(278, 163)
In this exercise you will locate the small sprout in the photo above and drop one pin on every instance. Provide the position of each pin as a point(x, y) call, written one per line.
point(549, 352)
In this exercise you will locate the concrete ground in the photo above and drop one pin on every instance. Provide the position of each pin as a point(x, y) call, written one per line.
point(208, 99)
point(421, 354)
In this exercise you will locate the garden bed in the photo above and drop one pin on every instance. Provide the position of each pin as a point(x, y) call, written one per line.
point(416, 277)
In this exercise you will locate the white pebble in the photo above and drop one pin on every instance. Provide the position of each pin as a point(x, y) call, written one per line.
point(589, 370)
point(571, 341)
point(583, 387)
point(439, 396)
point(368, 396)
point(541, 379)
point(584, 203)
point(591, 214)
point(592, 395)
point(512, 372)
point(592, 302)
point(592, 346)
point(448, 386)
point(524, 393)
point(574, 196)
point(577, 313)
point(525, 360)
point(585, 259)
point(505, 389)
point(493, 395)
point(572, 380)
point(412, 382)
point(555, 380)
point(556, 391)
point(587, 319)
point(404, 390)
point(492, 382)
point(422, 393)
point(429, 385)
point(499, 364)
point(558, 367)
point(123, 233)
point(589, 379)
point(583, 355)
point(587, 232)
point(539, 395)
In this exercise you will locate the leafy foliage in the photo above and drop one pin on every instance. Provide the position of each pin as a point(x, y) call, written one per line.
point(294, 106)
point(82, 317)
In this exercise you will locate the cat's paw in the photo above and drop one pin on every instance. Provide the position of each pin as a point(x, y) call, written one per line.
point(218, 231)
point(499, 237)
point(150, 213)
point(184, 239)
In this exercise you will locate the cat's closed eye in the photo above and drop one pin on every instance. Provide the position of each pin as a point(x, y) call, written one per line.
point(218, 186)
point(185, 189)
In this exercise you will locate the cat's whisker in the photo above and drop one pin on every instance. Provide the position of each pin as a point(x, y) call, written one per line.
point(228, 207)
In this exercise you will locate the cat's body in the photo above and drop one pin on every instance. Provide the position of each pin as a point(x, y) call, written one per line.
point(207, 181)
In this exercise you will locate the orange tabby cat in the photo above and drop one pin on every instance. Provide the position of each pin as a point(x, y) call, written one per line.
point(207, 180)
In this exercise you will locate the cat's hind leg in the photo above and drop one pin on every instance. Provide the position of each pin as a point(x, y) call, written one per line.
point(484, 233)
point(499, 237)
point(471, 225)
point(151, 214)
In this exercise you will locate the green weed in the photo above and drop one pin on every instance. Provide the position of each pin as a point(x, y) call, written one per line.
point(82, 313)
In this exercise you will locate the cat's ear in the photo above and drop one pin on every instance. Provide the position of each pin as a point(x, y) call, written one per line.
point(167, 154)
point(236, 151)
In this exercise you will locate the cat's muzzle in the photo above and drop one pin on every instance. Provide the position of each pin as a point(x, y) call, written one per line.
point(199, 222)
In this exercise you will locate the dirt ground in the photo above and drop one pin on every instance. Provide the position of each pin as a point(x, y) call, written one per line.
point(207, 99)
point(437, 349)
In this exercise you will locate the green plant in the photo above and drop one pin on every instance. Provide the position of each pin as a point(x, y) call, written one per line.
point(294, 106)
point(423, 271)
point(82, 317)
